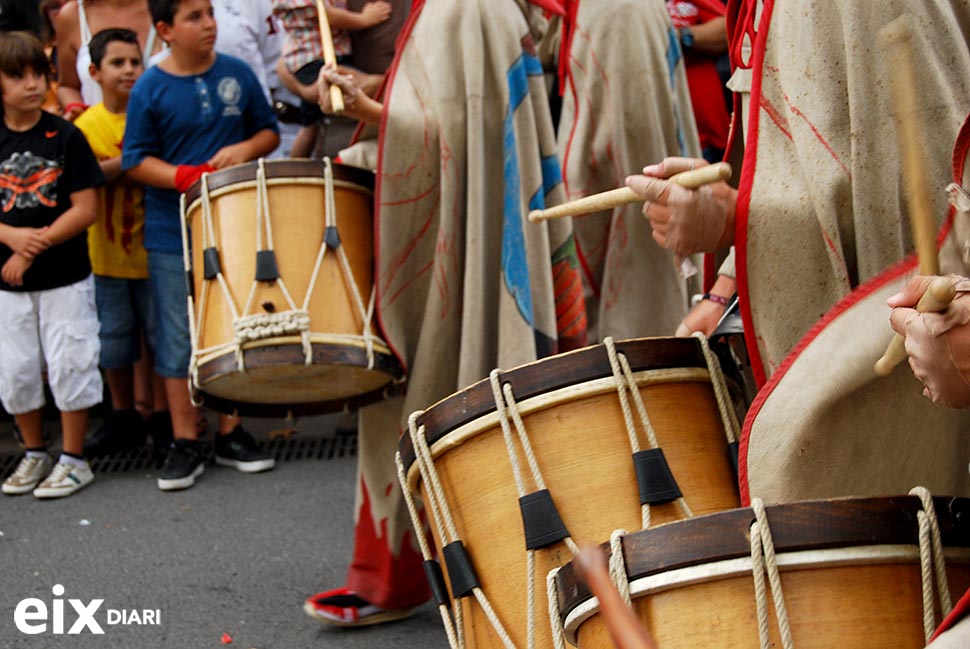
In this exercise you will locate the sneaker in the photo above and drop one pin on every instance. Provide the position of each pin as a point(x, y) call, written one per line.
point(27, 475)
point(123, 430)
point(158, 425)
point(238, 449)
point(343, 607)
point(63, 480)
point(183, 465)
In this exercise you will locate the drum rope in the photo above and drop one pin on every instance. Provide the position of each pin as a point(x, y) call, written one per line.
point(555, 617)
point(330, 220)
point(506, 406)
point(729, 417)
point(763, 560)
point(441, 512)
point(624, 380)
point(249, 326)
point(419, 534)
point(193, 327)
point(618, 566)
point(932, 561)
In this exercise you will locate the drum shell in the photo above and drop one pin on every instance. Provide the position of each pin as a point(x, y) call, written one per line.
point(577, 431)
point(851, 592)
point(276, 373)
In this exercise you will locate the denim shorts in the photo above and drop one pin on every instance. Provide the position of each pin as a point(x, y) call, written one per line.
point(125, 311)
point(173, 346)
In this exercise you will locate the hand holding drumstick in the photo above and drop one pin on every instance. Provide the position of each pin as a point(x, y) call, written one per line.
point(938, 344)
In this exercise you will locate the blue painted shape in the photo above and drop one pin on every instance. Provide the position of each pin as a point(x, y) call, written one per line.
point(551, 176)
point(515, 267)
point(674, 57)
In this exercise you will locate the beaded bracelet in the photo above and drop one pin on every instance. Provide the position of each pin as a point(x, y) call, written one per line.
point(720, 299)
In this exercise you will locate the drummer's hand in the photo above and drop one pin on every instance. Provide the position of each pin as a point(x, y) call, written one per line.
point(707, 313)
point(330, 76)
point(228, 156)
point(938, 344)
point(684, 220)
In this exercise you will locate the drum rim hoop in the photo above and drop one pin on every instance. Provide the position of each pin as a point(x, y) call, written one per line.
point(795, 527)
point(550, 374)
point(863, 555)
point(286, 168)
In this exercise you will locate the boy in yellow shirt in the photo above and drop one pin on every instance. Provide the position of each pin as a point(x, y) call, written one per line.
point(117, 250)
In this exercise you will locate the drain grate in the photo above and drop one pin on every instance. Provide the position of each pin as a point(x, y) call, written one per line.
point(283, 449)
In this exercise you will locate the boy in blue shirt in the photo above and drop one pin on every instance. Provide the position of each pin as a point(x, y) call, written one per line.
point(195, 112)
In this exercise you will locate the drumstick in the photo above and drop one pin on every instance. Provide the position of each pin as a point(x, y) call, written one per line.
point(896, 37)
point(624, 627)
point(624, 195)
point(329, 57)
point(937, 297)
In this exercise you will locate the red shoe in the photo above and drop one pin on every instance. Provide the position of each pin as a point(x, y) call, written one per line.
point(343, 607)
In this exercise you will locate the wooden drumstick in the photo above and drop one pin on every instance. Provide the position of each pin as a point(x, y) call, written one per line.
point(329, 57)
point(624, 627)
point(937, 297)
point(624, 195)
point(896, 37)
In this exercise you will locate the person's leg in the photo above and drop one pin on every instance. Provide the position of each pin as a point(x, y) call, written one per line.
point(184, 462)
point(69, 331)
point(22, 388)
point(158, 422)
point(386, 576)
point(123, 428)
point(305, 141)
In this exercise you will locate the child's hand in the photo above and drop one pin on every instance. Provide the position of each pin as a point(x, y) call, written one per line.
point(374, 13)
point(233, 154)
point(29, 242)
point(13, 271)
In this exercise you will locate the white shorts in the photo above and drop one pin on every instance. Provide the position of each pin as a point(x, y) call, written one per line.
point(60, 326)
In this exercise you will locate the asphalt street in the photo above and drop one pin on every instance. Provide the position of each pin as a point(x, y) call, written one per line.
point(227, 563)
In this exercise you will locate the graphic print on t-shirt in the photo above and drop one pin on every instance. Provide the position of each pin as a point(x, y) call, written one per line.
point(27, 180)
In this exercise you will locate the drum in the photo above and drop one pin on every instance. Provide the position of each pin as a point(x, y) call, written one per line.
point(849, 576)
point(534, 460)
point(281, 289)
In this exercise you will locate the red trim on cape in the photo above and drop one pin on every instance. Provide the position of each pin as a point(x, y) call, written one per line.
point(960, 610)
point(402, 38)
point(960, 149)
point(743, 203)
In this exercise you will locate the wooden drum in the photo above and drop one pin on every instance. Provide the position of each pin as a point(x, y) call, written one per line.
point(849, 571)
point(568, 410)
point(281, 274)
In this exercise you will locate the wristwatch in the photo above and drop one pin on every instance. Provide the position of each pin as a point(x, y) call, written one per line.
point(686, 38)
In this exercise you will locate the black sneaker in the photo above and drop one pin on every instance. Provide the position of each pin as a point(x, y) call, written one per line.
point(238, 449)
point(159, 428)
point(183, 465)
point(123, 430)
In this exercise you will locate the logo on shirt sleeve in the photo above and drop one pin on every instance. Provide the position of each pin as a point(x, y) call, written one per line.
point(27, 180)
point(230, 92)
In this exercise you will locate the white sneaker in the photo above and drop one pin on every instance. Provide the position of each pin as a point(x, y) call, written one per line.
point(27, 475)
point(64, 480)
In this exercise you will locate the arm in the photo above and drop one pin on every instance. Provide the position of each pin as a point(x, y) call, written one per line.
point(260, 144)
point(373, 13)
point(82, 214)
point(26, 242)
point(711, 37)
point(111, 168)
point(707, 313)
point(67, 29)
point(154, 172)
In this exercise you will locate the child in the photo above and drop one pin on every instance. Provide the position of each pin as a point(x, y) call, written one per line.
point(303, 51)
point(117, 248)
point(195, 112)
point(48, 177)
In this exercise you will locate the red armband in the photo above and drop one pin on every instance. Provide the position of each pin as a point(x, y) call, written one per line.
point(186, 175)
point(75, 104)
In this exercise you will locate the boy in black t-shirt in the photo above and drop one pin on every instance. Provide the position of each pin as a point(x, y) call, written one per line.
point(47, 312)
